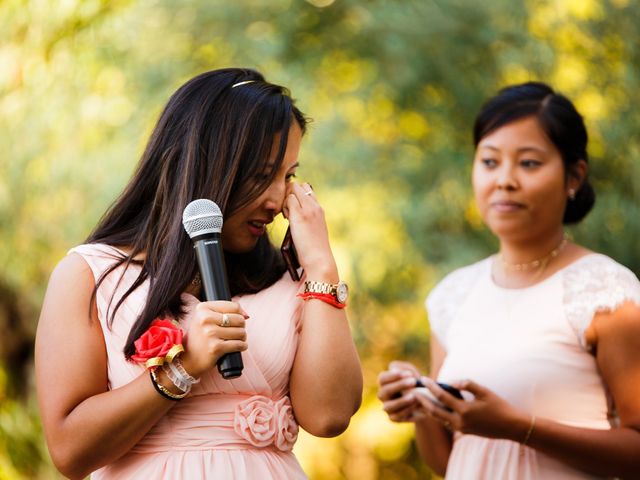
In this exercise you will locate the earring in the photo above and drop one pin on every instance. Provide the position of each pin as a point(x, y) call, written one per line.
point(572, 194)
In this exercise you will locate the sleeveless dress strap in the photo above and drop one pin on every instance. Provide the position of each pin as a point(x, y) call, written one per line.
point(101, 258)
point(98, 256)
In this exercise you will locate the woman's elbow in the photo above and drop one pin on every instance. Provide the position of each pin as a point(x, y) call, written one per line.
point(69, 465)
point(330, 423)
point(328, 417)
point(327, 426)
point(68, 468)
point(439, 469)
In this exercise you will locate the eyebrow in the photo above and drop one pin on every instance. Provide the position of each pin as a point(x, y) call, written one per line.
point(295, 165)
point(519, 150)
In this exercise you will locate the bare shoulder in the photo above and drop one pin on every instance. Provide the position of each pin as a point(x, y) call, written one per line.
point(70, 353)
point(72, 268)
point(68, 309)
point(68, 296)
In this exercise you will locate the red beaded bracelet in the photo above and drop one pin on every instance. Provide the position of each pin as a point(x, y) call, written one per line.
point(325, 297)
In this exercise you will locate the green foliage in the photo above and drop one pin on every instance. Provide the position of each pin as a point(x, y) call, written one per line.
point(392, 88)
point(22, 449)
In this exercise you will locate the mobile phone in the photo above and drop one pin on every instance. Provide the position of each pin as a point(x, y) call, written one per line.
point(446, 387)
point(288, 250)
point(423, 390)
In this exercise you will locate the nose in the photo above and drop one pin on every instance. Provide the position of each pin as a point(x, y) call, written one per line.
point(506, 178)
point(275, 195)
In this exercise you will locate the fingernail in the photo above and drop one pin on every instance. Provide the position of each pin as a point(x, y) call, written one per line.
point(426, 381)
point(410, 382)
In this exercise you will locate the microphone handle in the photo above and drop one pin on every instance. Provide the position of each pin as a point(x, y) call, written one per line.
point(214, 282)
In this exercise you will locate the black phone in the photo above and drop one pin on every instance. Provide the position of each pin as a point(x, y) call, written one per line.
point(288, 250)
point(446, 387)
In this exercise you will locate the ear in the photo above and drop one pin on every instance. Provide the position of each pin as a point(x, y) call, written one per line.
point(577, 174)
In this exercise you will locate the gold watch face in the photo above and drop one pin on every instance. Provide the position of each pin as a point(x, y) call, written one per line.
point(342, 292)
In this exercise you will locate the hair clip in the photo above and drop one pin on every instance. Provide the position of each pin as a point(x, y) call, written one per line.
point(242, 83)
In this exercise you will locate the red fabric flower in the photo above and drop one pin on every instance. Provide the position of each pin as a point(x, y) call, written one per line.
point(160, 343)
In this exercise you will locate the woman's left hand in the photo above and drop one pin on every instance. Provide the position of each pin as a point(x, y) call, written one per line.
point(486, 415)
point(309, 232)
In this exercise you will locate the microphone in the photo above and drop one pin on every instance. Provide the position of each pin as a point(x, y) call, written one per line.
point(202, 220)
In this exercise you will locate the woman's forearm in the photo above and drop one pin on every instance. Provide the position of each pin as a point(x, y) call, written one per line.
point(611, 453)
point(104, 427)
point(434, 444)
point(326, 381)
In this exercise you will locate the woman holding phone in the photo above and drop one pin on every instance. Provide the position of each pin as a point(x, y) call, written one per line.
point(543, 338)
point(126, 350)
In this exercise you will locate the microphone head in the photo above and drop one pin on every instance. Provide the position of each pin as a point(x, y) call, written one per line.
point(202, 216)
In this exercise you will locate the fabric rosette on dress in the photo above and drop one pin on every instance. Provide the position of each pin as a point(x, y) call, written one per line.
point(263, 422)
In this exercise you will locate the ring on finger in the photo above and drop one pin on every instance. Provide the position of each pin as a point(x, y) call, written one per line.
point(226, 321)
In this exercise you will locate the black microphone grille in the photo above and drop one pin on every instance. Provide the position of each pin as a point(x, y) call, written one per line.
point(202, 216)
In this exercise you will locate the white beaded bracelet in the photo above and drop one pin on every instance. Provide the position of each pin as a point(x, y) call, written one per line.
point(178, 375)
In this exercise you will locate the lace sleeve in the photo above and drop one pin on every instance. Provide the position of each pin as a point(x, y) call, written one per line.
point(595, 284)
point(444, 300)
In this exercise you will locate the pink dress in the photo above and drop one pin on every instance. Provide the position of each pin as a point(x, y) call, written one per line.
point(528, 346)
point(225, 429)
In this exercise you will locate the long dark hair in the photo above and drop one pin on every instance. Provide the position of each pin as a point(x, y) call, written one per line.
point(212, 141)
point(559, 119)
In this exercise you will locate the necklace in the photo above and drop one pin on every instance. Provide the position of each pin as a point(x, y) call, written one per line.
point(540, 263)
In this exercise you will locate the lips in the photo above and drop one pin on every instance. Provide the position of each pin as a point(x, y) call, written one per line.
point(506, 206)
point(257, 227)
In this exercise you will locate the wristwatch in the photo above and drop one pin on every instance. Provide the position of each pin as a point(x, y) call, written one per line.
point(339, 291)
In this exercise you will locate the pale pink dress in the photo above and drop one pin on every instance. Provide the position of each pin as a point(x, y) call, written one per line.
point(528, 346)
point(225, 429)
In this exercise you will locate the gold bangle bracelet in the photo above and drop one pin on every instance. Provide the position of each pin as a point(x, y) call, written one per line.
point(531, 426)
point(164, 391)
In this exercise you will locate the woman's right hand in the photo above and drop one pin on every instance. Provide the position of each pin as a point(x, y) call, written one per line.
point(207, 340)
point(394, 390)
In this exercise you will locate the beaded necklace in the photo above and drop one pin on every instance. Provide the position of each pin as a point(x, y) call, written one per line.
point(540, 263)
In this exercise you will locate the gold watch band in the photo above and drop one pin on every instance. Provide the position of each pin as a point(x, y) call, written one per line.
point(319, 287)
point(339, 291)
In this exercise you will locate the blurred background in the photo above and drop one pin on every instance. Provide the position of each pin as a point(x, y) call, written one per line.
point(392, 88)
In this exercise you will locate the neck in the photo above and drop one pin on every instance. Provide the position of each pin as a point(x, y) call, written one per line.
point(525, 251)
point(524, 263)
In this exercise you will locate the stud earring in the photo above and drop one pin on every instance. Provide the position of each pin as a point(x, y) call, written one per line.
point(572, 194)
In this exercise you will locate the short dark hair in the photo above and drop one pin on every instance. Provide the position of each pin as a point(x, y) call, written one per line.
point(212, 141)
point(559, 119)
